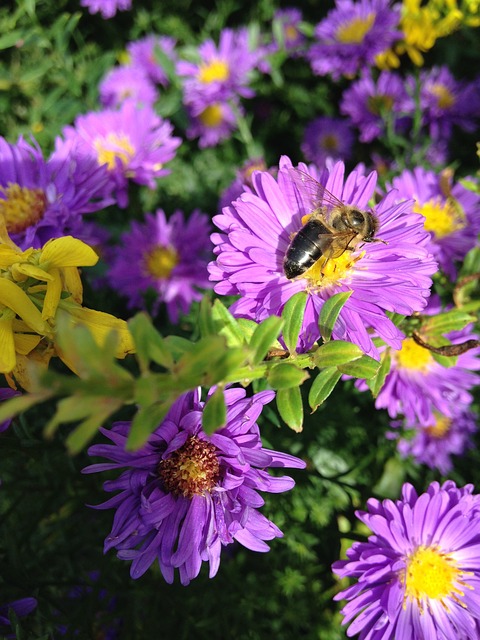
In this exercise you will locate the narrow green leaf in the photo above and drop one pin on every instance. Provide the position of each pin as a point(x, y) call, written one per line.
point(364, 367)
point(454, 320)
point(292, 315)
point(202, 353)
point(69, 409)
point(376, 383)
point(214, 414)
point(336, 352)
point(290, 407)
point(263, 337)
point(146, 420)
point(84, 432)
point(227, 325)
point(286, 375)
point(149, 343)
point(322, 386)
point(330, 312)
point(19, 404)
point(205, 320)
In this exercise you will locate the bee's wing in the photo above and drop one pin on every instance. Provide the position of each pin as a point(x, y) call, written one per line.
point(335, 244)
point(318, 196)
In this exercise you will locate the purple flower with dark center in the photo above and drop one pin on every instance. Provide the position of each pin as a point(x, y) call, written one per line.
point(167, 257)
point(43, 199)
point(184, 495)
point(134, 143)
point(223, 71)
point(5, 394)
point(327, 137)
point(418, 575)
point(143, 55)
point(445, 102)
point(451, 212)
point(433, 443)
point(107, 8)
point(351, 35)
point(393, 273)
point(211, 123)
point(21, 608)
point(125, 83)
point(370, 104)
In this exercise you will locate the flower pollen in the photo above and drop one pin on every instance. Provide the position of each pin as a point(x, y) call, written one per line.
point(191, 470)
point(22, 207)
point(441, 427)
point(431, 574)
point(122, 149)
point(441, 218)
point(413, 356)
point(215, 71)
point(446, 99)
point(160, 261)
point(354, 32)
point(212, 116)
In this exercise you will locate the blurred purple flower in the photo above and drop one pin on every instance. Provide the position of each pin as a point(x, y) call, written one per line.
point(418, 575)
point(242, 182)
point(21, 607)
point(168, 257)
point(285, 30)
point(211, 123)
point(125, 83)
point(134, 143)
point(184, 495)
point(327, 137)
point(390, 275)
point(143, 55)
point(107, 8)
point(43, 199)
point(351, 35)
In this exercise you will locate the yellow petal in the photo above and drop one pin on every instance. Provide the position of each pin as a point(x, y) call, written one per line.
point(8, 357)
point(68, 252)
point(24, 373)
point(4, 237)
point(8, 256)
point(52, 296)
point(73, 283)
point(31, 271)
point(17, 300)
point(25, 342)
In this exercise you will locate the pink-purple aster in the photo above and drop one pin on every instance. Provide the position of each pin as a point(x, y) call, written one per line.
point(47, 198)
point(286, 33)
point(352, 35)
point(167, 257)
point(418, 575)
point(185, 495)
point(134, 143)
point(451, 212)
point(107, 8)
point(370, 103)
point(391, 274)
point(143, 55)
point(125, 83)
point(327, 137)
point(211, 122)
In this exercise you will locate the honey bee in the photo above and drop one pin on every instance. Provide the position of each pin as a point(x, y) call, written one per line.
point(333, 227)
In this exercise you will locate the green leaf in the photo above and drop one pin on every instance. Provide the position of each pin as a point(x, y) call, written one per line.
point(101, 409)
point(364, 367)
point(146, 420)
point(330, 312)
point(292, 315)
point(214, 414)
point(149, 344)
point(286, 375)
point(375, 384)
point(322, 386)
point(19, 404)
point(263, 337)
point(205, 321)
point(335, 353)
point(454, 320)
point(290, 407)
point(226, 325)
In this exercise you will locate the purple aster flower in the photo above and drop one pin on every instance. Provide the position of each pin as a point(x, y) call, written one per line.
point(133, 143)
point(184, 495)
point(143, 54)
point(107, 8)
point(370, 103)
point(286, 23)
point(223, 71)
point(124, 83)
point(451, 212)
point(21, 607)
point(43, 199)
point(242, 182)
point(327, 138)
point(390, 274)
point(445, 101)
point(168, 257)
point(351, 35)
point(418, 575)
point(434, 443)
point(211, 123)
point(5, 394)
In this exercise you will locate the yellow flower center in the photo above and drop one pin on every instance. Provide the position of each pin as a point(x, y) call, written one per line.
point(160, 261)
point(413, 356)
point(379, 104)
point(212, 116)
point(330, 142)
point(441, 427)
point(445, 99)
point(354, 32)
point(441, 218)
point(214, 71)
point(22, 207)
point(111, 147)
point(290, 33)
point(191, 470)
point(431, 574)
